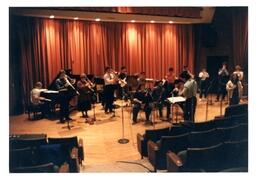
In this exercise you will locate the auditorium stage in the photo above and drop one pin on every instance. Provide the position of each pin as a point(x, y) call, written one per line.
point(101, 139)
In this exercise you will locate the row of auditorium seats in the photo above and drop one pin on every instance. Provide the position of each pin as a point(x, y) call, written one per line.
point(223, 157)
point(195, 139)
point(155, 134)
point(29, 153)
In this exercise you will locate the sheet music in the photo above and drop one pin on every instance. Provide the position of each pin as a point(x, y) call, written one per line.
point(50, 91)
point(177, 99)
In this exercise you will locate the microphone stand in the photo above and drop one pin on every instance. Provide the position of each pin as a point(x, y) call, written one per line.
point(123, 140)
point(207, 99)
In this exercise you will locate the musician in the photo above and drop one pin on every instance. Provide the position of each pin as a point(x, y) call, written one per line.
point(170, 77)
point(123, 88)
point(185, 72)
point(234, 88)
point(238, 71)
point(223, 76)
point(142, 79)
point(63, 84)
point(189, 92)
point(85, 88)
point(109, 88)
point(158, 93)
point(38, 100)
point(203, 75)
point(142, 100)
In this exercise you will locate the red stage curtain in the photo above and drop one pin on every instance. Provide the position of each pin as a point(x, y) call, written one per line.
point(46, 46)
point(240, 37)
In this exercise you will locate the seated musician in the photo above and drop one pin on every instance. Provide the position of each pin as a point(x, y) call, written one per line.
point(158, 93)
point(123, 88)
point(63, 84)
point(189, 92)
point(142, 100)
point(38, 100)
point(85, 88)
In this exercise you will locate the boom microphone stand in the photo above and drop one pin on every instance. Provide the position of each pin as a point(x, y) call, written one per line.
point(123, 140)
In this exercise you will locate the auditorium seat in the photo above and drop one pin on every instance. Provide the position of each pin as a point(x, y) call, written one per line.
point(34, 159)
point(204, 138)
point(70, 143)
point(195, 159)
point(223, 157)
point(235, 155)
point(236, 110)
point(150, 134)
point(234, 133)
point(44, 168)
point(21, 158)
point(157, 151)
point(27, 140)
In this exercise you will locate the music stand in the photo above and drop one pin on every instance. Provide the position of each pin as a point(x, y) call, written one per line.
point(123, 140)
point(173, 100)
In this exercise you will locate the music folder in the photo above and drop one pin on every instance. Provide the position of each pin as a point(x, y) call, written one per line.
point(177, 99)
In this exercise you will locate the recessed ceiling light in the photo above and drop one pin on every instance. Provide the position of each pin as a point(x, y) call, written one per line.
point(75, 18)
point(132, 21)
point(97, 19)
point(51, 16)
point(170, 22)
point(152, 21)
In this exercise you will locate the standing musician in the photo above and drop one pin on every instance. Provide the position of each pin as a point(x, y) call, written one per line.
point(223, 77)
point(110, 80)
point(85, 88)
point(189, 92)
point(170, 77)
point(67, 91)
point(185, 72)
point(142, 100)
point(142, 79)
point(203, 75)
point(123, 88)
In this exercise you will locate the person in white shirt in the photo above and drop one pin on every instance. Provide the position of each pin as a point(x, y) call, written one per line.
point(203, 75)
point(189, 92)
point(110, 81)
point(239, 72)
point(234, 88)
point(37, 100)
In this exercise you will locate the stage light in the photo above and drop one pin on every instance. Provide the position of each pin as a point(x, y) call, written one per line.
point(51, 16)
point(75, 18)
point(97, 19)
point(152, 21)
point(132, 21)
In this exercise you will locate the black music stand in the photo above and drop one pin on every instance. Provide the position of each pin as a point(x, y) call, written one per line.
point(123, 140)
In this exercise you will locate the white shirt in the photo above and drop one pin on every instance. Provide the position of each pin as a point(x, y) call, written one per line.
point(203, 75)
point(109, 78)
point(35, 96)
point(240, 74)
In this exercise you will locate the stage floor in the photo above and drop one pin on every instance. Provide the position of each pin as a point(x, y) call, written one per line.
point(101, 139)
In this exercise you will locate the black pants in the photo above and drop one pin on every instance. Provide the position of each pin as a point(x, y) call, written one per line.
point(221, 91)
point(109, 97)
point(190, 109)
point(203, 88)
point(136, 109)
